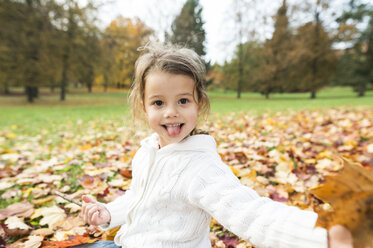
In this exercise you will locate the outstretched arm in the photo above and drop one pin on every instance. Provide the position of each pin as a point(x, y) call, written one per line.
point(260, 220)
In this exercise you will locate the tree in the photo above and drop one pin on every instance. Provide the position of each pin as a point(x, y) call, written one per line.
point(187, 28)
point(360, 57)
point(120, 43)
point(251, 56)
point(318, 55)
point(277, 62)
point(314, 58)
point(26, 33)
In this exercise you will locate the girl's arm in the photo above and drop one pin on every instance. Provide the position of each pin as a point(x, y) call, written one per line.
point(260, 220)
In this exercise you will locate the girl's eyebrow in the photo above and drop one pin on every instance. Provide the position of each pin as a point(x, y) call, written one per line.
point(181, 94)
point(185, 94)
point(155, 96)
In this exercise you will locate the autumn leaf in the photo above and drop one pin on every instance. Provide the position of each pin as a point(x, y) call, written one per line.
point(51, 215)
point(350, 194)
point(76, 240)
point(280, 155)
point(20, 209)
point(14, 222)
point(15, 226)
point(32, 241)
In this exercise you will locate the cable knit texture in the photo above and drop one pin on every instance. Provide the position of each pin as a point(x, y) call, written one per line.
point(176, 189)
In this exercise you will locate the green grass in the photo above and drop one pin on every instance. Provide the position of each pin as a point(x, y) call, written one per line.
point(49, 113)
point(257, 104)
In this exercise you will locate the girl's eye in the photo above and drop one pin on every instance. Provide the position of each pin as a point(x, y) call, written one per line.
point(158, 103)
point(183, 101)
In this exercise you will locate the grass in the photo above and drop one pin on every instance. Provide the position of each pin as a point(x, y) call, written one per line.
point(48, 112)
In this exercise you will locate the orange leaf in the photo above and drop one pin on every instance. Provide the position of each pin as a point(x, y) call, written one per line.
point(77, 240)
point(350, 193)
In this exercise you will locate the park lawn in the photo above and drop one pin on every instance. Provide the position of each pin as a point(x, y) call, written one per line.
point(48, 113)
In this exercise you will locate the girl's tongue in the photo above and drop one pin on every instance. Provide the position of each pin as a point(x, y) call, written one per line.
point(173, 130)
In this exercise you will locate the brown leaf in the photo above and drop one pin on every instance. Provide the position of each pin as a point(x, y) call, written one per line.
point(20, 209)
point(89, 182)
point(126, 172)
point(13, 232)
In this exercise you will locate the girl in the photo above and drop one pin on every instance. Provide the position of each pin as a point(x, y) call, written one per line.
point(179, 181)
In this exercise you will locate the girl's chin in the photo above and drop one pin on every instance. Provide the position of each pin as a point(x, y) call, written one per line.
point(164, 141)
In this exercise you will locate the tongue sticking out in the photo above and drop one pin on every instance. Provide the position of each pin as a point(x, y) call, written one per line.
point(173, 131)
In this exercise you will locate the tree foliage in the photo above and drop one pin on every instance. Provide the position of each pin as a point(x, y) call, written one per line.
point(314, 59)
point(187, 28)
point(355, 65)
point(275, 69)
point(58, 44)
point(120, 42)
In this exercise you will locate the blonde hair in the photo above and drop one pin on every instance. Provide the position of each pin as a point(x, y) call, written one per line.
point(171, 59)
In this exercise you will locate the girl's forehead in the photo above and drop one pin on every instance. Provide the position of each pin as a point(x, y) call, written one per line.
point(168, 84)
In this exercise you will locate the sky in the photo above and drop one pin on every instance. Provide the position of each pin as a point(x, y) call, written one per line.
point(159, 14)
point(218, 15)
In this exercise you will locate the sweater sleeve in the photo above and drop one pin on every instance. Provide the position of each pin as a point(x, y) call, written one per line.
point(259, 220)
point(118, 209)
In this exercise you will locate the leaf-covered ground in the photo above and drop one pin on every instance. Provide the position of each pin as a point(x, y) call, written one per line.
point(281, 156)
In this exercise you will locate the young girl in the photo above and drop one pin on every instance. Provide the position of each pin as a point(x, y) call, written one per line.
point(179, 180)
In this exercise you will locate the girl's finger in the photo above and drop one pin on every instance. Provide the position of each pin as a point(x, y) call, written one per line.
point(90, 213)
point(96, 218)
point(85, 210)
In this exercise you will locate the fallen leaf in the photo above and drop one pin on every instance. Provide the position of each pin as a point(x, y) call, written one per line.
point(51, 215)
point(32, 241)
point(42, 232)
point(20, 209)
point(43, 200)
point(125, 172)
point(14, 222)
point(350, 194)
point(77, 240)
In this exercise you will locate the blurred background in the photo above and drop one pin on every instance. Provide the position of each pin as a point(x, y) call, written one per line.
point(266, 47)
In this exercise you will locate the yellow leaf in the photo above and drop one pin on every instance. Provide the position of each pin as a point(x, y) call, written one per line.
point(11, 135)
point(109, 235)
point(234, 170)
point(42, 200)
point(85, 147)
point(350, 194)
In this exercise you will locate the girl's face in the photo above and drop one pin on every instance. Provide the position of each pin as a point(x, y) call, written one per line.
point(170, 106)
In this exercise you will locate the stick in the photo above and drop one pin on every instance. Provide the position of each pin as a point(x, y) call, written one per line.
point(67, 197)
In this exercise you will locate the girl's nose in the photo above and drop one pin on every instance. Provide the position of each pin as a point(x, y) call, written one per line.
point(171, 111)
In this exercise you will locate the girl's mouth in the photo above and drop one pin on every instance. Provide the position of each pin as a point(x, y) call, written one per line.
point(173, 129)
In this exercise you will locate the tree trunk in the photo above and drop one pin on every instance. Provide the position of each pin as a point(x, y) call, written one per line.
point(29, 93)
point(313, 94)
point(267, 95)
point(361, 93)
point(35, 92)
point(6, 89)
point(89, 85)
point(64, 77)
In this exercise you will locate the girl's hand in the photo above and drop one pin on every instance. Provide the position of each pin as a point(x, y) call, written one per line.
point(93, 212)
point(340, 237)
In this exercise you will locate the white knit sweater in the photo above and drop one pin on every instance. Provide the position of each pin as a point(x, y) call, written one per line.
point(176, 189)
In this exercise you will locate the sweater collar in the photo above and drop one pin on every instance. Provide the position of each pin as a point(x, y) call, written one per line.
point(198, 142)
